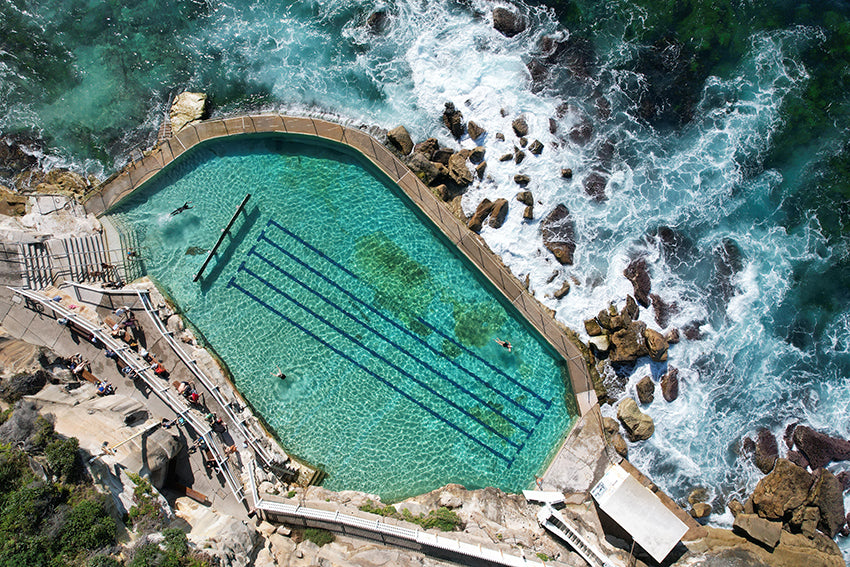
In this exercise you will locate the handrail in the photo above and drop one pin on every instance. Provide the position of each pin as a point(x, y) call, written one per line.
point(221, 238)
point(213, 389)
point(379, 527)
point(142, 369)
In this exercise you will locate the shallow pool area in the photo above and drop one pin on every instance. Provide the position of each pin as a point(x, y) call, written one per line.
point(394, 382)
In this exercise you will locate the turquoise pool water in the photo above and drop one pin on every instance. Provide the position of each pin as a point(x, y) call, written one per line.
point(394, 384)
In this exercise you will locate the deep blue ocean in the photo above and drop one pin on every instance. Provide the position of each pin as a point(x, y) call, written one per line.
point(720, 131)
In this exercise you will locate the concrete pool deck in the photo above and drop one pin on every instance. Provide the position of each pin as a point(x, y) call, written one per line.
point(136, 173)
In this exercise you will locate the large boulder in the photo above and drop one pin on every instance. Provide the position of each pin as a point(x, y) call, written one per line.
point(507, 22)
point(453, 120)
point(828, 495)
point(520, 127)
point(656, 345)
point(63, 181)
point(559, 234)
point(187, 107)
point(591, 326)
point(12, 204)
point(427, 147)
point(499, 212)
point(474, 130)
point(756, 528)
point(400, 139)
point(645, 390)
point(637, 273)
point(784, 489)
point(423, 168)
point(820, 449)
point(627, 345)
point(638, 425)
point(481, 213)
point(458, 171)
point(767, 450)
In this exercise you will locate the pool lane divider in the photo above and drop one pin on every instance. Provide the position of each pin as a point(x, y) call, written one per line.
point(393, 344)
point(224, 233)
point(389, 320)
point(232, 283)
point(377, 355)
point(471, 353)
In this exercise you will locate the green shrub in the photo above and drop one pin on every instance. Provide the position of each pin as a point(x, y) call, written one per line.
point(175, 541)
point(319, 536)
point(103, 561)
point(146, 514)
point(43, 432)
point(87, 526)
point(543, 557)
point(63, 459)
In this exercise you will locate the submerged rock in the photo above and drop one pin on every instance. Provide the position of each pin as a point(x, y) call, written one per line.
point(638, 425)
point(507, 22)
point(594, 185)
point(558, 232)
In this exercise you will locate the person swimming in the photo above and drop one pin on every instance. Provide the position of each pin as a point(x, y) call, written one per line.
point(184, 207)
point(279, 373)
point(505, 344)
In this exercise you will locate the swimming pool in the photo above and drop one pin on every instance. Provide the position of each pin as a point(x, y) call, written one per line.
point(394, 383)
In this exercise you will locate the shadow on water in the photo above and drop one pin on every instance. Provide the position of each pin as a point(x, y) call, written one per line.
point(233, 240)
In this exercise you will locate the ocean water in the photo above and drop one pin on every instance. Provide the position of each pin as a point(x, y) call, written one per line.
point(394, 382)
point(721, 129)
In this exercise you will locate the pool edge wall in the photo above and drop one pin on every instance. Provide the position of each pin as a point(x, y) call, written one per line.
point(167, 152)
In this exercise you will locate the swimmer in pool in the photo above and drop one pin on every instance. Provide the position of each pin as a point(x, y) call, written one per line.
point(184, 207)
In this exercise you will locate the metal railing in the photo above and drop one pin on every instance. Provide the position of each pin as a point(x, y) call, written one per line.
point(142, 369)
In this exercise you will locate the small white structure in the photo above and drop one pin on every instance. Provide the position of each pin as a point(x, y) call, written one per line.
point(638, 511)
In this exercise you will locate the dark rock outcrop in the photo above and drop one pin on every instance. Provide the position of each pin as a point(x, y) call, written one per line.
point(453, 120)
point(767, 450)
point(520, 127)
point(536, 147)
point(663, 310)
point(507, 22)
point(525, 197)
point(521, 179)
point(818, 448)
point(645, 390)
point(14, 160)
point(377, 22)
point(566, 173)
point(670, 384)
point(427, 148)
point(637, 273)
point(592, 327)
point(519, 155)
point(558, 232)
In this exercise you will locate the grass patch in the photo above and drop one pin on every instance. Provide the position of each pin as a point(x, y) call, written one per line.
point(442, 518)
point(319, 536)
